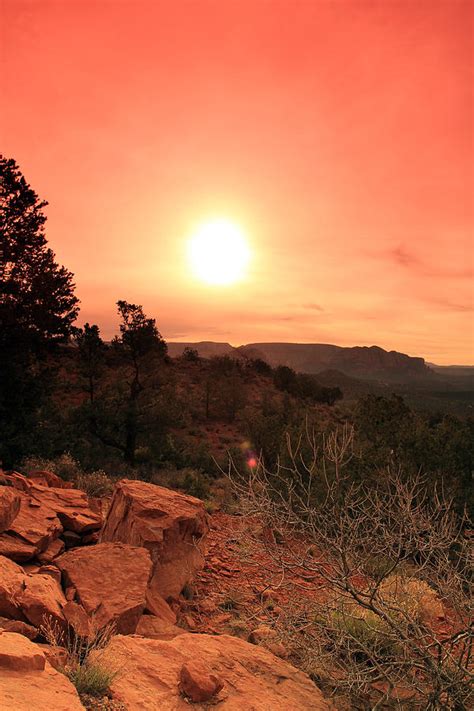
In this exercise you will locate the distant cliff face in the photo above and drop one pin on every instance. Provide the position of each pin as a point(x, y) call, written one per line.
point(361, 361)
point(368, 362)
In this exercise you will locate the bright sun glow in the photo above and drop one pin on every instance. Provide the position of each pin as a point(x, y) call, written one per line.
point(219, 253)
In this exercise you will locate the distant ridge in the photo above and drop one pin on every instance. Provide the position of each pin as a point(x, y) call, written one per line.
point(367, 362)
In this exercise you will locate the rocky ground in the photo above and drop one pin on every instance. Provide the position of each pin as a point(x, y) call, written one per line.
point(176, 588)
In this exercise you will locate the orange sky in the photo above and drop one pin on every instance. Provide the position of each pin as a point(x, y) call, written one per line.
point(337, 134)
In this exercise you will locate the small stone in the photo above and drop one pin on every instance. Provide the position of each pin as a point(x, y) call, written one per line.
point(198, 683)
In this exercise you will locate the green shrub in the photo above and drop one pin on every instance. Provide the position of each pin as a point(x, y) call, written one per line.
point(377, 566)
point(195, 484)
point(92, 677)
point(366, 637)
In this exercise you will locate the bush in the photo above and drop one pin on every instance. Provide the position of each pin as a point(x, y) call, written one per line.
point(361, 634)
point(92, 677)
point(95, 484)
point(64, 466)
point(86, 666)
point(195, 484)
point(414, 598)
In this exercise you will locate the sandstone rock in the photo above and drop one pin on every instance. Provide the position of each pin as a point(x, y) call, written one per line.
point(71, 507)
point(90, 539)
point(156, 628)
point(42, 600)
point(78, 619)
point(17, 653)
point(28, 681)
point(51, 570)
point(43, 514)
point(45, 478)
point(159, 607)
point(31, 568)
point(110, 582)
point(199, 683)
point(54, 549)
point(32, 530)
point(56, 656)
point(171, 525)
point(278, 649)
point(11, 585)
point(252, 677)
point(19, 627)
point(9, 506)
point(16, 480)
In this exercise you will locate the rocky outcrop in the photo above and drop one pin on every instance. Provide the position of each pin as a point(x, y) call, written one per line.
point(45, 478)
point(9, 507)
point(28, 681)
point(41, 600)
point(44, 513)
point(12, 576)
point(163, 675)
point(33, 529)
point(109, 580)
point(171, 525)
point(157, 628)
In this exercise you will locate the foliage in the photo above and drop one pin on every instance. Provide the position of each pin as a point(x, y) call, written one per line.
point(64, 466)
point(191, 355)
point(377, 635)
point(37, 310)
point(304, 386)
point(95, 484)
point(127, 407)
point(38, 304)
point(194, 483)
point(91, 354)
point(87, 666)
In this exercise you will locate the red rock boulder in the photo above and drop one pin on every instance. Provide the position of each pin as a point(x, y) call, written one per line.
point(249, 676)
point(109, 580)
point(41, 601)
point(11, 585)
point(44, 513)
point(28, 681)
point(9, 506)
point(171, 525)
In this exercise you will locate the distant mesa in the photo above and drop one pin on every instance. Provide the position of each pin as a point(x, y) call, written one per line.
point(368, 362)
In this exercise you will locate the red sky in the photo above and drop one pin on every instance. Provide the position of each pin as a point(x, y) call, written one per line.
point(337, 134)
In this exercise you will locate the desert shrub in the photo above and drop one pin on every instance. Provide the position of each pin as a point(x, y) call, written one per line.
point(361, 634)
point(65, 466)
point(378, 566)
point(191, 355)
point(87, 666)
point(411, 598)
point(194, 483)
point(95, 484)
point(374, 628)
point(91, 677)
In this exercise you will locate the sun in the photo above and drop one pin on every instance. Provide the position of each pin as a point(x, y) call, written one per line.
point(219, 253)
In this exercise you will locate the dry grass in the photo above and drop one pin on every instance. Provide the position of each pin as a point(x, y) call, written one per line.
point(86, 666)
